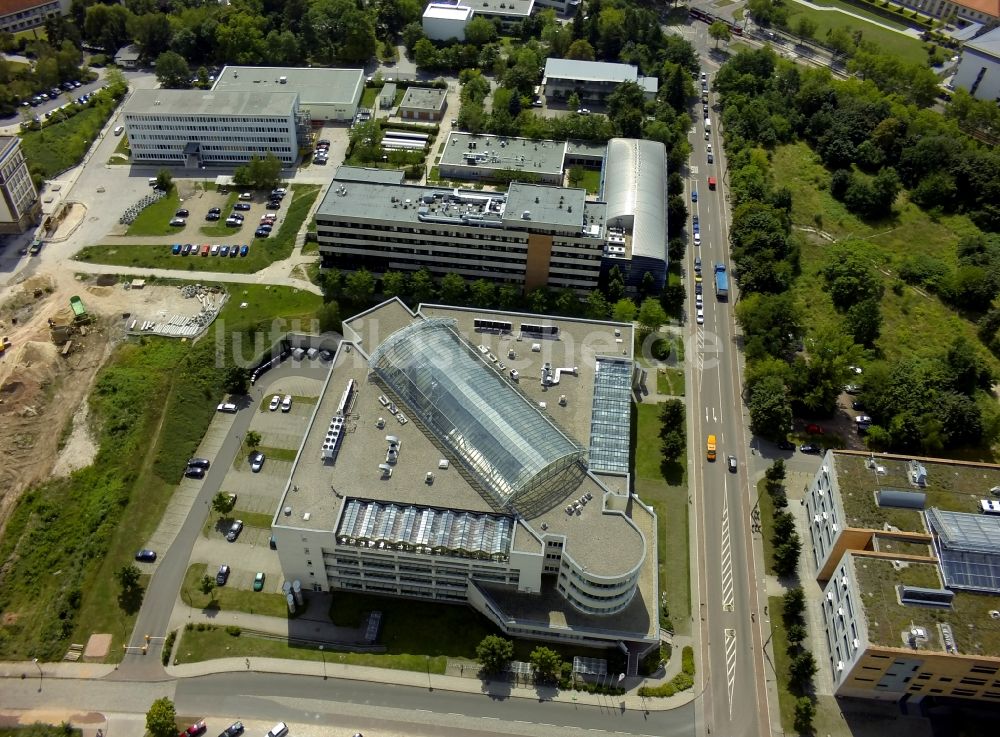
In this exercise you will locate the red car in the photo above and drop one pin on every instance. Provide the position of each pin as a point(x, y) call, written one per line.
point(194, 730)
point(814, 429)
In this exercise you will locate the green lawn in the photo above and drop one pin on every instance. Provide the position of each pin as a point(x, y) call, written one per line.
point(155, 219)
point(779, 643)
point(859, 9)
point(58, 146)
point(767, 524)
point(670, 381)
point(122, 153)
point(199, 645)
point(263, 251)
point(369, 96)
point(906, 48)
point(228, 598)
point(591, 181)
point(669, 497)
point(219, 524)
point(913, 324)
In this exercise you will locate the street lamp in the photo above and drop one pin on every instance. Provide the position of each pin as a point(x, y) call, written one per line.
point(324, 661)
point(40, 674)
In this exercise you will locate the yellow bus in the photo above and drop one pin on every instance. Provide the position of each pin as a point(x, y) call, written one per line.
point(711, 447)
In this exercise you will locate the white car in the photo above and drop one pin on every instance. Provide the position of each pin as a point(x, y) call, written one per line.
point(708, 148)
point(701, 316)
point(863, 420)
point(286, 403)
point(699, 301)
point(227, 407)
point(275, 403)
point(697, 239)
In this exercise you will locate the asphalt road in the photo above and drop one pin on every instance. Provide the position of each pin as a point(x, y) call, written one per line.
point(730, 585)
point(154, 616)
point(375, 708)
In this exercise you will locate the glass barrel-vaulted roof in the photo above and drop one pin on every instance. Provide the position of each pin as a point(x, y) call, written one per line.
point(503, 438)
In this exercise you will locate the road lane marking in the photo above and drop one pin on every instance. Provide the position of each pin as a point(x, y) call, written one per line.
point(727, 555)
point(731, 666)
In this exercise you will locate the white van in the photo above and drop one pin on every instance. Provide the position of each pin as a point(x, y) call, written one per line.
point(119, 130)
point(286, 403)
point(278, 730)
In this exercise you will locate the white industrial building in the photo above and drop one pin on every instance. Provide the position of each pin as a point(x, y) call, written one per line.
point(481, 459)
point(19, 205)
point(592, 80)
point(443, 22)
point(979, 67)
point(324, 94)
point(195, 128)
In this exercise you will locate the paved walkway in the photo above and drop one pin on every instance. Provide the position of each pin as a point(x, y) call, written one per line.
point(264, 276)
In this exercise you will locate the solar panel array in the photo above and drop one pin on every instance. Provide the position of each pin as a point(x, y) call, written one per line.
point(968, 546)
point(425, 529)
point(610, 416)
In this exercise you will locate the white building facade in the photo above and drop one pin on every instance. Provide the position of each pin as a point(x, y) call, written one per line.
point(443, 22)
point(979, 67)
point(192, 128)
point(19, 206)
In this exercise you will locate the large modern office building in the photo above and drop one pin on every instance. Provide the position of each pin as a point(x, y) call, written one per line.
point(195, 128)
point(908, 554)
point(532, 235)
point(19, 205)
point(325, 94)
point(486, 157)
point(481, 459)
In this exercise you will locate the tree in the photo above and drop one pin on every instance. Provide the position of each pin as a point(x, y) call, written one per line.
point(719, 30)
point(252, 439)
point(864, 321)
point(259, 173)
point(128, 577)
point(329, 317)
point(784, 525)
point(152, 33)
point(597, 306)
point(786, 556)
point(805, 27)
point(161, 719)
point(776, 471)
point(236, 380)
point(164, 180)
point(207, 586)
point(802, 669)
point(546, 662)
point(805, 711)
point(580, 50)
point(573, 101)
point(359, 287)
point(422, 288)
point(770, 408)
point(796, 633)
point(479, 31)
point(482, 294)
point(172, 70)
point(394, 284)
point(671, 416)
point(672, 446)
point(651, 315)
point(452, 289)
point(793, 605)
point(493, 653)
point(624, 310)
point(223, 503)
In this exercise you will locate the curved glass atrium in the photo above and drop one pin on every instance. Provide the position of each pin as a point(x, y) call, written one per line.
point(517, 456)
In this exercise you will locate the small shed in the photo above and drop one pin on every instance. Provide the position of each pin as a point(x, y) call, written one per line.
point(387, 97)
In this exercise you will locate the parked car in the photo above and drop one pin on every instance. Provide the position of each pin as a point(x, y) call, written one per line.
point(146, 556)
point(227, 407)
point(863, 420)
point(194, 730)
point(286, 403)
point(199, 463)
point(786, 445)
point(258, 581)
point(256, 461)
point(857, 406)
point(233, 730)
point(814, 429)
point(273, 205)
point(237, 216)
point(244, 250)
point(711, 159)
point(224, 251)
point(234, 251)
point(275, 403)
point(261, 233)
point(193, 472)
point(697, 238)
point(697, 264)
point(241, 206)
point(234, 531)
point(320, 160)
point(811, 449)
point(853, 389)
point(176, 249)
point(700, 316)
point(215, 250)
point(118, 129)
point(182, 213)
point(222, 576)
point(178, 222)
point(246, 196)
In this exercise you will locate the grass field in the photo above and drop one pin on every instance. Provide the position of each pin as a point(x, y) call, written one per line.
point(669, 497)
point(591, 181)
point(228, 598)
point(59, 146)
point(905, 47)
point(913, 324)
point(155, 219)
point(369, 96)
point(767, 524)
point(779, 642)
point(87, 526)
point(263, 251)
point(670, 381)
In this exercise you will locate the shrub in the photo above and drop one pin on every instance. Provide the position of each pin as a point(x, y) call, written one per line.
point(687, 660)
point(168, 647)
point(233, 631)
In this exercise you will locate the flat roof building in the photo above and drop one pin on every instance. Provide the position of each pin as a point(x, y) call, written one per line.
point(443, 21)
point(423, 103)
point(507, 12)
point(482, 157)
point(910, 566)
point(447, 459)
point(20, 15)
point(324, 94)
point(592, 80)
point(195, 128)
point(19, 205)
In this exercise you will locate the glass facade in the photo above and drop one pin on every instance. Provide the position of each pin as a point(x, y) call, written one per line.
point(513, 451)
point(610, 416)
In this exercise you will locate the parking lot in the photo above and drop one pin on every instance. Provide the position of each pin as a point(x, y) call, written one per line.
point(199, 201)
